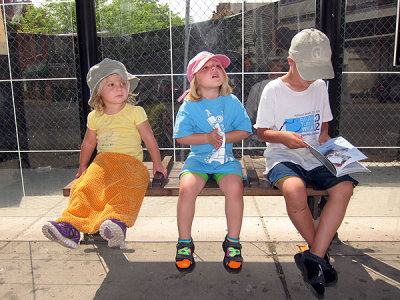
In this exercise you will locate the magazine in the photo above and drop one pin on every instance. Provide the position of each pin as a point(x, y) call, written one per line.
point(339, 156)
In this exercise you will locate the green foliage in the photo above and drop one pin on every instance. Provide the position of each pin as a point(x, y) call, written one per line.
point(115, 17)
point(134, 16)
point(49, 18)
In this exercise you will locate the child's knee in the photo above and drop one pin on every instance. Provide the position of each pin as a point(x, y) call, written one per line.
point(187, 192)
point(235, 189)
point(295, 198)
point(343, 190)
point(295, 192)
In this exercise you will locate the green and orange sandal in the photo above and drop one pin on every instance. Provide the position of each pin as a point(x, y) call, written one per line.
point(184, 260)
point(233, 259)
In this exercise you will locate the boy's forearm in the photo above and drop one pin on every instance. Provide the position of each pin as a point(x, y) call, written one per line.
point(290, 139)
point(269, 135)
point(324, 134)
point(236, 136)
point(325, 128)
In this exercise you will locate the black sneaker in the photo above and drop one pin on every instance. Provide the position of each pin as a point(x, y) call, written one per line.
point(310, 267)
point(330, 274)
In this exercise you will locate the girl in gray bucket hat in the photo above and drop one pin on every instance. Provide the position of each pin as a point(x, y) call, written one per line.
point(103, 69)
point(109, 192)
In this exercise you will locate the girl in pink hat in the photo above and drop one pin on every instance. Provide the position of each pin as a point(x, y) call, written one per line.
point(210, 120)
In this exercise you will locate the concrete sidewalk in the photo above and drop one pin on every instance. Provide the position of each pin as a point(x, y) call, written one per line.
point(367, 256)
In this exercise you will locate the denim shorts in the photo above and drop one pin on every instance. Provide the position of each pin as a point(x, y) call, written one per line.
point(320, 177)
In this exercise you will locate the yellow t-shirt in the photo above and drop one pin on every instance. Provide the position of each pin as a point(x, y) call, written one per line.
point(118, 132)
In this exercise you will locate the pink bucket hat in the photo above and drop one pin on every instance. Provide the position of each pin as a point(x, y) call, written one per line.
point(197, 62)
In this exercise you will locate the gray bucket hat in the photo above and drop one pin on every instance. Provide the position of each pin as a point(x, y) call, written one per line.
point(105, 68)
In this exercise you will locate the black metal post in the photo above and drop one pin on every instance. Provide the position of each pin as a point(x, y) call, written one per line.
point(87, 42)
point(332, 24)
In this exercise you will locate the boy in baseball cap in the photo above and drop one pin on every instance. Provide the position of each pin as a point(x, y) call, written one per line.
point(294, 109)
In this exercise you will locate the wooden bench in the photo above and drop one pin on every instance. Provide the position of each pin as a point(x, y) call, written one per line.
point(255, 183)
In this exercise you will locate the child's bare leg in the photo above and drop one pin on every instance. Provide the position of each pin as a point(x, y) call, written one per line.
point(232, 187)
point(332, 216)
point(295, 194)
point(189, 188)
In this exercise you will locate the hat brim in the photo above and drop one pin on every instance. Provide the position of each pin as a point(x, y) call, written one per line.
point(222, 59)
point(133, 83)
point(309, 71)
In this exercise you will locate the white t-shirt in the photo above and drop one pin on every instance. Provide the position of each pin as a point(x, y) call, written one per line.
point(283, 109)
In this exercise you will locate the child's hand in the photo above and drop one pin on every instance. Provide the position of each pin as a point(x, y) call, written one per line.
point(80, 171)
point(323, 138)
point(215, 139)
point(159, 168)
point(293, 140)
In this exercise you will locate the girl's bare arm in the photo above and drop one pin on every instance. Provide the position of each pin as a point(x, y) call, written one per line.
point(148, 138)
point(88, 145)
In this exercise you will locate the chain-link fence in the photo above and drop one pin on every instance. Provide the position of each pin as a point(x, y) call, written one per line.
point(370, 103)
point(41, 112)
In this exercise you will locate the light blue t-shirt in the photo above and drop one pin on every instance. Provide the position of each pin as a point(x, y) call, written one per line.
point(225, 113)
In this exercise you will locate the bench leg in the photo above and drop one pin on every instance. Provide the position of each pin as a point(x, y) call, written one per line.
point(91, 238)
point(313, 204)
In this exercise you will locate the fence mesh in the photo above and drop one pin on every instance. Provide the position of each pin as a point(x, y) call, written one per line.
point(41, 109)
point(370, 99)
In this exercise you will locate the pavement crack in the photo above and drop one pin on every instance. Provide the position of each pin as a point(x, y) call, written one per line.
point(272, 249)
point(33, 277)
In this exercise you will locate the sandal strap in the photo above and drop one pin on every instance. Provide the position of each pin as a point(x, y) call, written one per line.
point(232, 245)
point(233, 251)
point(233, 254)
point(184, 251)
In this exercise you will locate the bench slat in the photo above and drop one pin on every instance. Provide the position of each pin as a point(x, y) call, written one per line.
point(251, 173)
point(255, 184)
point(158, 180)
point(254, 167)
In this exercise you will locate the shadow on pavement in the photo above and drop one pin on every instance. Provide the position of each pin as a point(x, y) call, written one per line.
point(361, 276)
point(385, 176)
point(160, 279)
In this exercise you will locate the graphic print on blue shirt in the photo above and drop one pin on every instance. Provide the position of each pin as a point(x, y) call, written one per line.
point(306, 124)
point(216, 122)
point(196, 117)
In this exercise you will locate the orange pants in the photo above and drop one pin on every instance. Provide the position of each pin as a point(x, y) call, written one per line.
point(112, 187)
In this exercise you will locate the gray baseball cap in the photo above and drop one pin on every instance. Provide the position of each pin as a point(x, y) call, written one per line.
point(105, 68)
point(311, 50)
